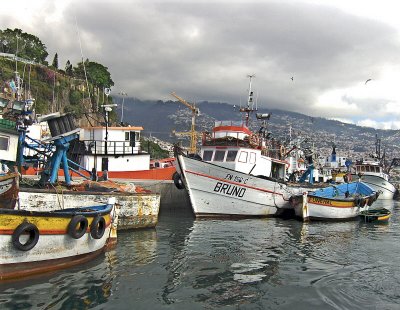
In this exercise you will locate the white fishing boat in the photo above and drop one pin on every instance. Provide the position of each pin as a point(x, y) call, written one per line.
point(238, 172)
point(373, 173)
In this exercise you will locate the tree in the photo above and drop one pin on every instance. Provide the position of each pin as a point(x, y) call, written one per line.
point(55, 61)
point(23, 45)
point(68, 68)
point(97, 74)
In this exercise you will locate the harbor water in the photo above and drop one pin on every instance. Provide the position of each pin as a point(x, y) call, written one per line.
point(230, 264)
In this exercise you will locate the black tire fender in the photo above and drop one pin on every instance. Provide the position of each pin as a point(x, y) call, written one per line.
point(98, 227)
point(25, 228)
point(178, 181)
point(77, 227)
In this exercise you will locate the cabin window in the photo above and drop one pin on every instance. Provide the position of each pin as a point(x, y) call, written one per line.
point(243, 157)
point(126, 135)
point(252, 158)
point(137, 136)
point(207, 155)
point(231, 156)
point(219, 156)
point(4, 142)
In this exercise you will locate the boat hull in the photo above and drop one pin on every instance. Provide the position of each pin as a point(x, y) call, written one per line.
point(326, 209)
point(217, 191)
point(52, 242)
point(136, 210)
point(8, 190)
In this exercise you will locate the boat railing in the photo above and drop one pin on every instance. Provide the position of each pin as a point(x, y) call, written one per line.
point(101, 147)
point(228, 123)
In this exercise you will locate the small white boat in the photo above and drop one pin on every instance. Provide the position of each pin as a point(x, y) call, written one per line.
point(339, 202)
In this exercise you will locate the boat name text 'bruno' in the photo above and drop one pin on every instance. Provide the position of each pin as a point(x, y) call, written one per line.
point(229, 189)
point(236, 178)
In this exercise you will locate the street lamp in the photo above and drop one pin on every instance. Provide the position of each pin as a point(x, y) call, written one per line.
point(123, 94)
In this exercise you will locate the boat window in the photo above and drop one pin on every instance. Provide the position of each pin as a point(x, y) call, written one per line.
point(362, 169)
point(4, 143)
point(231, 156)
point(243, 157)
point(207, 155)
point(252, 157)
point(137, 136)
point(367, 169)
point(126, 135)
point(219, 156)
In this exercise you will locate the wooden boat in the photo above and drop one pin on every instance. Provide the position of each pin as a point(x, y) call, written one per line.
point(375, 215)
point(136, 209)
point(336, 202)
point(37, 242)
point(9, 184)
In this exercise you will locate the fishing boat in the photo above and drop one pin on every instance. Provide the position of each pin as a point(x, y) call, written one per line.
point(238, 172)
point(137, 208)
point(373, 173)
point(37, 242)
point(336, 202)
point(114, 150)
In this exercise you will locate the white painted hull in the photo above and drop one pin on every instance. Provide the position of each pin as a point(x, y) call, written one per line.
point(51, 247)
point(379, 184)
point(315, 211)
point(218, 191)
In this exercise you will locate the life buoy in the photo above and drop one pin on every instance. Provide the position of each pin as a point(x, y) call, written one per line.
point(98, 227)
point(282, 151)
point(25, 229)
point(77, 226)
point(253, 139)
point(178, 181)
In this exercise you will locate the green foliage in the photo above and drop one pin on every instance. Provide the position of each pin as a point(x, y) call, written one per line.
point(68, 68)
point(75, 97)
point(155, 151)
point(97, 74)
point(55, 62)
point(23, 44)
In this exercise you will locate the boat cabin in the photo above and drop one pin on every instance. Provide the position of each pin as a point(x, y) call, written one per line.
point(8, 140)
point(246, 160)
point(113, 149)
point(369, 168)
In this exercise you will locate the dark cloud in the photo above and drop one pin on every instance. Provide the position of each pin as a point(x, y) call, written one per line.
point(205, 51)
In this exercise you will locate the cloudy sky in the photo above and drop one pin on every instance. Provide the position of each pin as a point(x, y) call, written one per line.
point(204, 50)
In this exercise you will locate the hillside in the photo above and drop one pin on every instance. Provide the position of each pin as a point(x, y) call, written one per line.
point(160, 118)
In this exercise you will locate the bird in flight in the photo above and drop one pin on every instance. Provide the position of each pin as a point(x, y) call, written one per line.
point(291, 78)
point(367, 81)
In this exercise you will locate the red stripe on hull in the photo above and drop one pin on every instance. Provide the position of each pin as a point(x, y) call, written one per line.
point(151, 174)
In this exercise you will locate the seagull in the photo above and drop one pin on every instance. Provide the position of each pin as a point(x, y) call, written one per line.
point(367, 81)
point(291, 78)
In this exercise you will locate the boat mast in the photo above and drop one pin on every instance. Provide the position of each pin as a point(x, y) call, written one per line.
point(250, 104)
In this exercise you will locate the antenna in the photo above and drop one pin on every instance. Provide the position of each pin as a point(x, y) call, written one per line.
point(83, 63)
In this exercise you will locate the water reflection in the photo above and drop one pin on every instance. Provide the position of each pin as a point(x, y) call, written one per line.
point(246, 264)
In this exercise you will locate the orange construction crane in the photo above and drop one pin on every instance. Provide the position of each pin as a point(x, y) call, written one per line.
point(193, 134)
